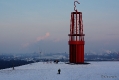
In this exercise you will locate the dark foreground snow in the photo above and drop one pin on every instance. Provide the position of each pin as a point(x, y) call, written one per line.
point(46, 71)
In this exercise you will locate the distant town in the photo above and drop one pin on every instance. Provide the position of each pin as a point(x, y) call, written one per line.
point(112, 56)
point(12, 60)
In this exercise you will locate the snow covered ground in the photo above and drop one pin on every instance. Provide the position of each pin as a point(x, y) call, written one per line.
point(106, 70)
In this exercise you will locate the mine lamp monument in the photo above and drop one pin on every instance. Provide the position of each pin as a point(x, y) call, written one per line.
point(76, 37)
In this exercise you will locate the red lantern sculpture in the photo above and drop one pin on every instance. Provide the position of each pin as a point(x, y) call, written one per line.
point(76, 37)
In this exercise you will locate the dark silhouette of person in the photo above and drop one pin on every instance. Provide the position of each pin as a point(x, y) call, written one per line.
point(59, 71)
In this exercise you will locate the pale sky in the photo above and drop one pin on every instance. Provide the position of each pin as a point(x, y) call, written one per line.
point(27, 26)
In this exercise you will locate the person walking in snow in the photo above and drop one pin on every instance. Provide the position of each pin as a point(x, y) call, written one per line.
point(59, 71)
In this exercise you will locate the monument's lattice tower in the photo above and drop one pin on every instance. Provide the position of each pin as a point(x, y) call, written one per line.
point(76, 37)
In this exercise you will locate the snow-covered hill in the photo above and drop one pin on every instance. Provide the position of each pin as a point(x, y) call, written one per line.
point(48, 71)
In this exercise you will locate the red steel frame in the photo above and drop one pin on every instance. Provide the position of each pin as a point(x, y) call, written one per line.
point(76, 38)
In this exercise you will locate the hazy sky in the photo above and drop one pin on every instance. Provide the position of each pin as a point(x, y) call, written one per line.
point(33, 25)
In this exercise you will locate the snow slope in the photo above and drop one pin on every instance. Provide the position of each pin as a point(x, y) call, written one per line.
point(46, 71)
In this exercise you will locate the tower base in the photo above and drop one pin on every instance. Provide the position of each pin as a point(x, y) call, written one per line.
point(85, 63)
